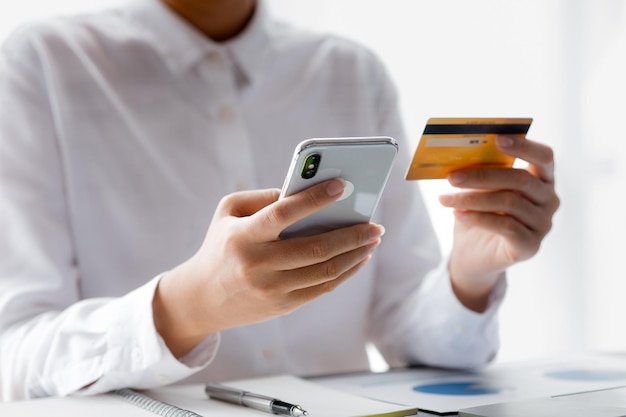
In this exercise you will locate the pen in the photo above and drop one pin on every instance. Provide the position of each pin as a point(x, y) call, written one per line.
point(248, 399)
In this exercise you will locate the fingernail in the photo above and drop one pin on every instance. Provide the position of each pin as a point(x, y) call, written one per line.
point(376, 232)
point(504, 141)
point(445, 199)
point(457, 177)
point(335, 187)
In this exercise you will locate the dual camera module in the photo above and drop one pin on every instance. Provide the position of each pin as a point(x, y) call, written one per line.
point(311, 164)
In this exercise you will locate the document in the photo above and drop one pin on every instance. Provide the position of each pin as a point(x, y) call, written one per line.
point(448, 391)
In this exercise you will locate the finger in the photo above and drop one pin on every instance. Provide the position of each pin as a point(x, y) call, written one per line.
point(539, 156)
point(281, 284)
point(268, 222)
point(299, 252)
point(305, 295)
point(520, 180)
point(505, 202)
point(246, 203)
point(329, 270)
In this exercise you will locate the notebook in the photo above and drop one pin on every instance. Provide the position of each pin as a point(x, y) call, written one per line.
point(317, 400)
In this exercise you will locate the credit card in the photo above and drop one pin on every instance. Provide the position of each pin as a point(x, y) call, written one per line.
point(448, 144)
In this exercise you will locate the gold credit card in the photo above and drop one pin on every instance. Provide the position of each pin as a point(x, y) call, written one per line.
point(448, 144)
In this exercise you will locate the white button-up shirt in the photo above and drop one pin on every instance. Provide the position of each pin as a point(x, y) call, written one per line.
point(120, 132)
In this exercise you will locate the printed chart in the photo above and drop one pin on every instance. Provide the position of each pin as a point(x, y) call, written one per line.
point(445, 391)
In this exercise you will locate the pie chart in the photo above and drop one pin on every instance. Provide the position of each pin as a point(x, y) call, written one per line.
point(457, 388)
point(588, 374)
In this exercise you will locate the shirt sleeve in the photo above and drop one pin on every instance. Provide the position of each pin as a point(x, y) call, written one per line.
point(417, 318)
point(53, 342)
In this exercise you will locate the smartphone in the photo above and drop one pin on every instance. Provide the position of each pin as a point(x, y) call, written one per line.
point(364, 163)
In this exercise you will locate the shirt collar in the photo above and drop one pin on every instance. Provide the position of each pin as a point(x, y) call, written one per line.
point(182, 46)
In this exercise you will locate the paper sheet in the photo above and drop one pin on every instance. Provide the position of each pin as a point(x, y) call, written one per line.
point(444, 391)
point(317, 400)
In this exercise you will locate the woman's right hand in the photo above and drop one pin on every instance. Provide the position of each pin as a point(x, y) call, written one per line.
point(243, 273)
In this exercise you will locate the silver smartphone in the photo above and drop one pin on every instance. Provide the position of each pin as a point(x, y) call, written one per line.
point(364, 163)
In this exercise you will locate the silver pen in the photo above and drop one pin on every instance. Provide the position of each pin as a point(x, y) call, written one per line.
point(256, 401)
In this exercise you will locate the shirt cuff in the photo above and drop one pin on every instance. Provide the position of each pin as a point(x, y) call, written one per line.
point(203, 354)
point(137, 355)
point(447, 333)
point(439, 286)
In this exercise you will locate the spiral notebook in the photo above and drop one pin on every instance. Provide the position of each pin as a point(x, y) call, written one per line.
point(151, 404)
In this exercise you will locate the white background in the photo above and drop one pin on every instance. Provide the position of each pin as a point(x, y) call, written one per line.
point(562, 62)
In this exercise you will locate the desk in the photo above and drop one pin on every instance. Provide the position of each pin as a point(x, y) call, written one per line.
point(521, 386)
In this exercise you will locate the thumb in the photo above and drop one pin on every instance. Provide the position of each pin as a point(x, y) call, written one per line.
point(247, 203)
point(268, 222)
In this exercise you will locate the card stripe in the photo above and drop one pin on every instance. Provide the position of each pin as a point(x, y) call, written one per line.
point(489, 128)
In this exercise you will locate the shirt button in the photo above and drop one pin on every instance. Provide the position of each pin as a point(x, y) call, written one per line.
point(163, 379)
point(136, 354)
point(214, 57)
point(242, 186)
point(268, 353)
point(225, 113)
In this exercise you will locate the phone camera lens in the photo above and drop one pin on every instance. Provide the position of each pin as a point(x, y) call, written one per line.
point(311, 164)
